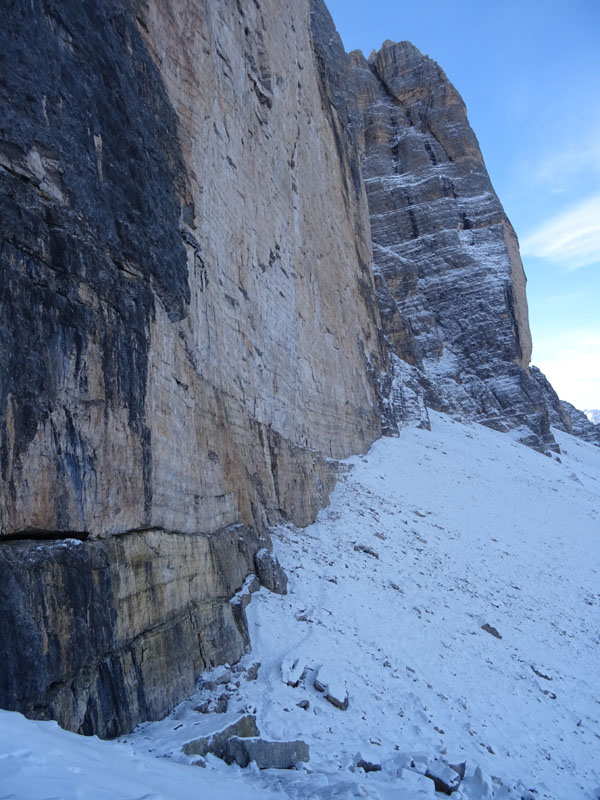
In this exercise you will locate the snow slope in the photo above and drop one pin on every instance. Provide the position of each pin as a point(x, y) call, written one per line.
point(427, 539)
point(40, 760)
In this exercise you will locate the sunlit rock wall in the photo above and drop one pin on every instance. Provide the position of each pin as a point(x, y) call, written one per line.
point(188, 332)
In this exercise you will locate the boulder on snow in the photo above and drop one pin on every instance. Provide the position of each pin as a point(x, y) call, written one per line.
point(216, 742)
point(338, 700)
point(270, 572)
point(490, 629)
point(363, 548)
point(215, 705)
point(445, 778)
point(221, 675)
point(252, 671)
point(292, 671)
point(332, 686)
point(368, 766)
point(266, 754)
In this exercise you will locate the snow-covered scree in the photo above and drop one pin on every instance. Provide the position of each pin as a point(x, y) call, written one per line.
point(447, 603)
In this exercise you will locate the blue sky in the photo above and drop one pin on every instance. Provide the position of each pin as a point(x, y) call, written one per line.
point(529, 73)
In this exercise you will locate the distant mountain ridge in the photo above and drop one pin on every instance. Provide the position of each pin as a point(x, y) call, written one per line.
point(593, 414)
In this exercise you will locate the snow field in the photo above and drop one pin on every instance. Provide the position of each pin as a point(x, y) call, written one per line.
point(427, 538)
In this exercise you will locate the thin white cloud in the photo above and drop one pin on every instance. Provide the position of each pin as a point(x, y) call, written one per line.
point(571, 362)
point(571, 238)
point(559, 170)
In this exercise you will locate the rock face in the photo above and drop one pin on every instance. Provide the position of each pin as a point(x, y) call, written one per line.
point(184, 219)
point(579, 424)
point(450, 282)
point(563, 415)
point(102, 635)
point(188, 332)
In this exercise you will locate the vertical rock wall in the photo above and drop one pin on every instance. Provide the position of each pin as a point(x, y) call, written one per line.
point(104, 634)
point(450, 282)
point(184, 222)
point(187, 331)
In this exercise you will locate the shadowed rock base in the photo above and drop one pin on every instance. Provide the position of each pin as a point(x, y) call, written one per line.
point(101, 635)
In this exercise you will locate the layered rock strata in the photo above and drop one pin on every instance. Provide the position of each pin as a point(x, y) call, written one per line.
point(580, 425)
point(102, 635)
point(450, 282)
point(188, 332)
point(565, 416)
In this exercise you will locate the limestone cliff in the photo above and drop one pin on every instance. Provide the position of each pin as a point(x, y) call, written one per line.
point(183, 221)
point(450, 282)
point(188, 332)
point(104, 634)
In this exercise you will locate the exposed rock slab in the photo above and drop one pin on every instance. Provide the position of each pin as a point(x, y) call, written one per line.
point(266, 754)
point(216, 743)
point(172, 377)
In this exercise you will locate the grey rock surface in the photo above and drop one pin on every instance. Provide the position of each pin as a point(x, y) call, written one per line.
point(216, 743)
point(581, 425)
point(563, 415)
point(450, 282)
point(103, 635)
point(270, 572)
point(445, 778)
point(266, 754)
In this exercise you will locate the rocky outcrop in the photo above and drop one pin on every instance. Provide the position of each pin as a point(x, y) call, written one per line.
point(216, 742)
point(188, 334)
point(563, 415)
point(450, 282)
point(102, 635)
point(266, 754)
point(580, 424)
